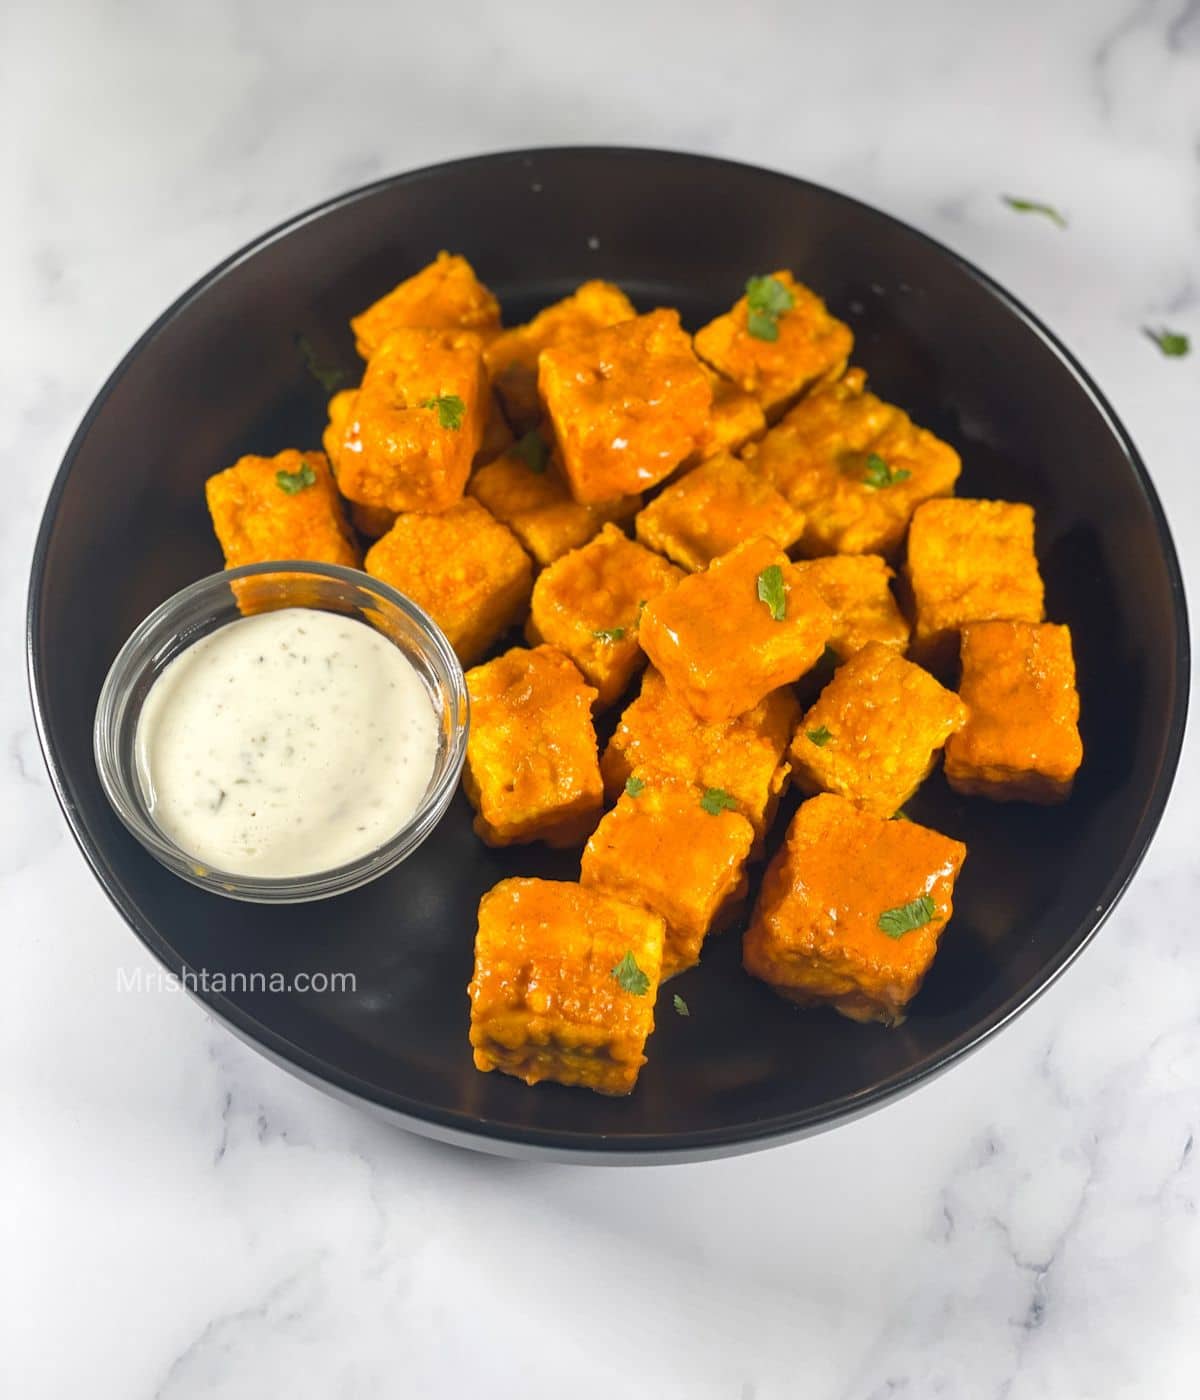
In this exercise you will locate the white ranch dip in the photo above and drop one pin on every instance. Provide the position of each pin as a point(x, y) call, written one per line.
point(286, 743)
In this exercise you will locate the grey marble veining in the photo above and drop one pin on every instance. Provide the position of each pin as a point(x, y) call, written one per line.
point(184, 1220)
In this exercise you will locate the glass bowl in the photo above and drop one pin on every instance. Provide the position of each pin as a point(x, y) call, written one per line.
point(201, 608)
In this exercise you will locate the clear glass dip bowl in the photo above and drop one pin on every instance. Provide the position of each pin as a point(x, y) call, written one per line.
point(201, 608)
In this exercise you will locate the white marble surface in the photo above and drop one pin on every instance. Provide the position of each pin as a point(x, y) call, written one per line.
point(180, 1218)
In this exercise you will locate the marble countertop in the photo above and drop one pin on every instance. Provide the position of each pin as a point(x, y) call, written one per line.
point(181, 1218)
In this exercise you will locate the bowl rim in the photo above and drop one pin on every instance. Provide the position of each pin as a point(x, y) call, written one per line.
point(122, 788)
point(464, 1129)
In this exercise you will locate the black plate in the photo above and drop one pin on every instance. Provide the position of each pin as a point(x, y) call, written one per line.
point(220, 374)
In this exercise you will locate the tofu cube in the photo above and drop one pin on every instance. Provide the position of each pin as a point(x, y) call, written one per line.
point(856, 466)
point(970, 561)
point(857, 589)
point(1021, 740)
point(711, 509)
point(512, 358)
point(662, 849)
point(281, 507)
point(524, 490)
point(589, 603)
point(463, 567)
point(735, 418)
point(725, 638)
point(564, 984)
point(627, 403)
point(809, 346)
point(532, 772)
point(371, 521)
point(445, 295)
point(416, 422)
point(658, 737)
point(851, 910)
point(875, 731)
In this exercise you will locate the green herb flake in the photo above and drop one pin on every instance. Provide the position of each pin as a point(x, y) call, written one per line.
point(292, 482)
point(534, 451)
point(879, 475)
point(634, 785)
point(767, 299)
point(450, 410)
point(899, 815)
point(329, 377)
point(716, 800)
point(629, 977)
point(1172, 343)
point(772, 592)
point(820, 736)
point(1034, 206)
point(681, 1006)
point(907, 917)
point(609, 634)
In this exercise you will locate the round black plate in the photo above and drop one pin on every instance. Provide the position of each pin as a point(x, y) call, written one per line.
point(221, 373)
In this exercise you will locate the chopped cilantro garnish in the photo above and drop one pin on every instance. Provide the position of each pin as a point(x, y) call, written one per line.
point(716, 800)
point(766, 301)
point(772, 592)
point(450, 410)
point(634, 785)
point(820, 736)
point(878, 474)
point(681, 1006)
point(906, 917)
point(1034, 206)
point(329, 377)
point(291, 482)
point(608, 634)
point(1171, 343)
point(629, 977)
point(534, 451)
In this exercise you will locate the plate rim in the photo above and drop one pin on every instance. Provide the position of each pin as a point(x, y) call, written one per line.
point(467, 1130)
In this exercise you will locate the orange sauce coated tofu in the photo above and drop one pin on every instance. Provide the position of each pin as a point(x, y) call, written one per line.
point(815, 936)
point(811, 346)
point(589, 604)
point(371, 521)
point(512, 358)
point(628, 403)
point(875, 731)
point(857, 588)
point(281, 507)
point(532, 772)
point(970, 561)
point(718, 644)
point(663, 850)
point(1021, 741)
point(735, 419)
point(463, 567)
point(545, 1002)
point(445, 295)
point(657, 737)
point(856, 466)
point(711, 509)
point(416, 422)
point(539, 509)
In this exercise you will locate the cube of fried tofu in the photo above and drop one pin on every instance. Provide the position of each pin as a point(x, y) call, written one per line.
point(1021, 740)
point(658, 738)
point(564, 984)
point(735, 418)
point(281, 507)
point(851, 910)
point(809, 346)
point(856, 466)
point(857, 588)
point(512, 358)
point(711, 509)
point(970, 561)
point(416, 422)
point(463, 567)
point(532, 772)
point(589, 603)
point(875, 731)
point(627, 403)
point(662, 848)
point(524, 489)
point(445, 295)
point(723, 639)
